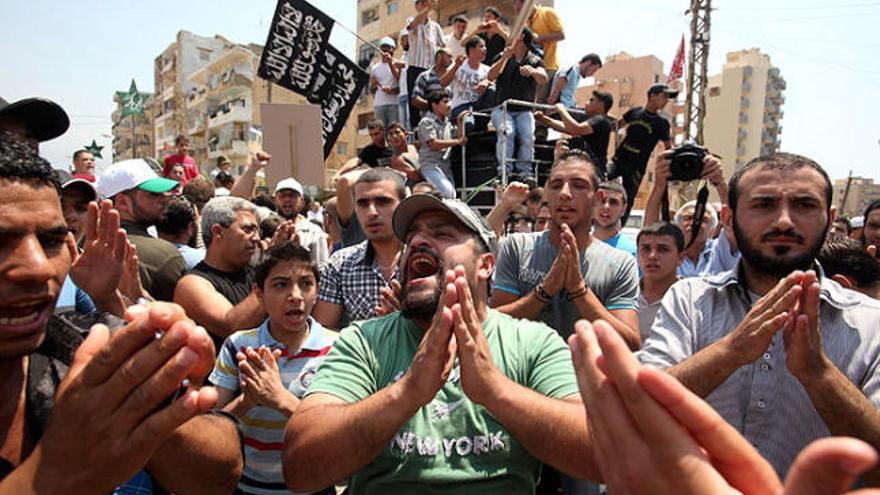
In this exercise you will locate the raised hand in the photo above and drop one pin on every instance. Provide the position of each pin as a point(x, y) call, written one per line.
point(479, 376)
point(802, 336)
point(388, 301)
point(646, 417)
point(433, 361)
point(98, 269)
point(753, 335)
point(574, 279)
point(261, 378)
point(110, 413)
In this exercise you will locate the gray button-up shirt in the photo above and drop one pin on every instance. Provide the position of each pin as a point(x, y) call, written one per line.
point(763, 400)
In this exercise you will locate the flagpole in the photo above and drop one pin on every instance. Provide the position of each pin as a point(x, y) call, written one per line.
point(357, 35)
point(133, 141)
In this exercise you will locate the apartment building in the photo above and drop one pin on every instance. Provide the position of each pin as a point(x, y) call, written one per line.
point(172, 69)
point(862, 191)
point(744, 109)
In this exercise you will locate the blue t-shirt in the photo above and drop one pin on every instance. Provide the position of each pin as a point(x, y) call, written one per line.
point(624, 243)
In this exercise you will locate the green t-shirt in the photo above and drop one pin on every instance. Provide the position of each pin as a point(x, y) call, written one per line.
point(451, 445)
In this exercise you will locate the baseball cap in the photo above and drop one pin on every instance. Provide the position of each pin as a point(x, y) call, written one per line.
point(606, 98)
point(415, 205)
point(387, 41)
point(857, 222)
point(44, 119)
point(662, 88)
point(130, 174)
point(289, 183)
point(81, 184)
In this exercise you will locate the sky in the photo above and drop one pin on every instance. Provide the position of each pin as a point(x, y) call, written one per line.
point(79, 53)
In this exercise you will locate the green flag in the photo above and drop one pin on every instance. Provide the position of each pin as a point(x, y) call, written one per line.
point(132, 101)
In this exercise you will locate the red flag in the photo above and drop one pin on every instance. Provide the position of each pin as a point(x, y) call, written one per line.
point(677, 69)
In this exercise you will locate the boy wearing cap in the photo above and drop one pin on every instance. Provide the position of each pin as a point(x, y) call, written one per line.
point(476, 413)
point(384, 85)
point(644, 129)
point(139, 196)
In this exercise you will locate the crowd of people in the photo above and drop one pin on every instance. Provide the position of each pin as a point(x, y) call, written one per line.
point(170, 329)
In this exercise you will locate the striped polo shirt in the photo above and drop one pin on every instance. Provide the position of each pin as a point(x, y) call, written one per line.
point(263, 426)
point(763, 400)
point(423, 43)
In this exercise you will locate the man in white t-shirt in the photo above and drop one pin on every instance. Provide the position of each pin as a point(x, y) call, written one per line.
point(384, 85)
point(469, 79)
point(455, 40)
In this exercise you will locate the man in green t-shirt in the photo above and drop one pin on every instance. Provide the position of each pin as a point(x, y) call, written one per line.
point(447, 395)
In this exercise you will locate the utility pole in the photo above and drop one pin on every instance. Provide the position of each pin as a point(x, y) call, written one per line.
point(697, 77)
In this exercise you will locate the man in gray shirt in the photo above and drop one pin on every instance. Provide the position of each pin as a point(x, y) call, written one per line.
point(782, 352)
point(563, 274)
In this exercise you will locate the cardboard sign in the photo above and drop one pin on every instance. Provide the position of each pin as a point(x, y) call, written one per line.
point(298, 38)
point(291, 134)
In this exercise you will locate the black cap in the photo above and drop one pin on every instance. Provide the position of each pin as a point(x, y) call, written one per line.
point(662, 88)
point(606, 98)
point(44, 119)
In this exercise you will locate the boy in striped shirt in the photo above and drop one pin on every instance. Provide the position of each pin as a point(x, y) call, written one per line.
point(261, 374)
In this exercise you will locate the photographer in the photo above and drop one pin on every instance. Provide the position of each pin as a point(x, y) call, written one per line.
point(699, 253)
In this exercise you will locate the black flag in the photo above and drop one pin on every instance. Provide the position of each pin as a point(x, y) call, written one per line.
point(338, 85)
point(298, 38)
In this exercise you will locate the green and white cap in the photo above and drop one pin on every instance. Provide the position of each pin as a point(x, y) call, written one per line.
point(130, 174)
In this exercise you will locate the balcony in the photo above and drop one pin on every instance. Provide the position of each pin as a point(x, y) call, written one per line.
point(196, 126)
point(235, 148)
point(235, 111)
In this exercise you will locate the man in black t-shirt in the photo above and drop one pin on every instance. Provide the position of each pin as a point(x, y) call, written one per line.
point(217, 293)
point(518, 73)
point(492, 32)
point(591, 131)
point(644, 129)
point(377, 153)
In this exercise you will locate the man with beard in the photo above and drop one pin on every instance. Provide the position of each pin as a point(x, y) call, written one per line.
point(781, 351)
point(353, 277)
point(139, 195)
point(562, 275)
point(218, 292)
point(446, 395)
point(289, 201)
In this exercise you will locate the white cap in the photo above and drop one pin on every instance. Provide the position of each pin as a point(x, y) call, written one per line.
point(387, 41)
point(857, 222)
point(404, 31)
point(289, 183)
point(130, 174)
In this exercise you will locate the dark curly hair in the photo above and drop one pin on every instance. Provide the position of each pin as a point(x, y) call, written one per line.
point(20, 161)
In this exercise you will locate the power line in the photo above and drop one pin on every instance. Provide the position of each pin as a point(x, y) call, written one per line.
point(815, 7)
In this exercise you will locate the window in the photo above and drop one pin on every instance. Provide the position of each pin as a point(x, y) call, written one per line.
point(715, 91)
point(204, 54)
point(392, 8)
point(369, 16)
point(342, 149)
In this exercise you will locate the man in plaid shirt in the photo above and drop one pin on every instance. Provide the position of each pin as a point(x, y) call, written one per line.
point(353, 277)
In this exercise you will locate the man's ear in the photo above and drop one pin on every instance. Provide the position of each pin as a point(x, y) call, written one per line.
point(485, 266)
point(843, 281)
point(726, 216)
point(216, 231)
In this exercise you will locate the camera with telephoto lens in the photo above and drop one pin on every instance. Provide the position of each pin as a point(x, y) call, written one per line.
point(687, 162)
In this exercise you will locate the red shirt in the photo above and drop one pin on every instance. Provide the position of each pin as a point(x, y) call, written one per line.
point(190, 170)
point(90, 178)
